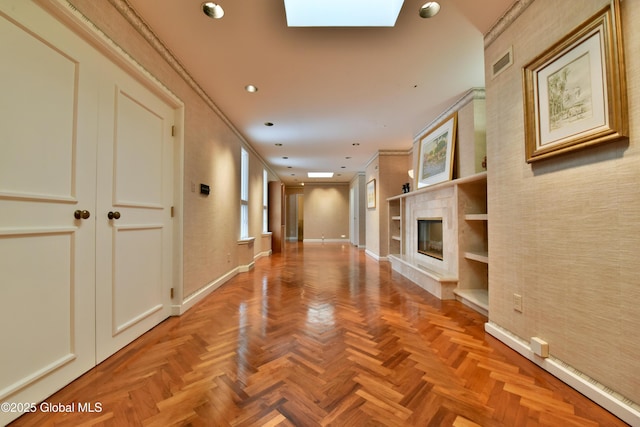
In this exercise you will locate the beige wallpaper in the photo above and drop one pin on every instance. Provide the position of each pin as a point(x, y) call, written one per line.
point(390, 170)
point(326, 212)
point(211, 156)
point(565, 233)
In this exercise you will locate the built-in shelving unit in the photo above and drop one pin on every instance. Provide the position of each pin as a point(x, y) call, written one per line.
point(470, 284)
point(396, 226)
point(473, 261)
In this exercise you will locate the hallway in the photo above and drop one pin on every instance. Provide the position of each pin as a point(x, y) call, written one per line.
point(319, 335)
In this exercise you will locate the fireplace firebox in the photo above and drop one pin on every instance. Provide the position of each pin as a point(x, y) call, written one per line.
point(430, 237)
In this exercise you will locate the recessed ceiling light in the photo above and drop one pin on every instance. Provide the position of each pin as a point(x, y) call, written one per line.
point(429, 9)
point(348, 157)
point(320, 174)
point(268, 124)
point(285, 157)
point(213, 10)
point(251, 88)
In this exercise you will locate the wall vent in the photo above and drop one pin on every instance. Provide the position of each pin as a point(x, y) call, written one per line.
point(505, 61)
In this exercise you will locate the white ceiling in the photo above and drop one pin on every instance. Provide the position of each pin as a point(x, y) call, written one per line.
point(325, 89)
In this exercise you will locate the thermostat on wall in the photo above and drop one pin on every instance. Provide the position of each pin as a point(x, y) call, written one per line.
point(204, 189)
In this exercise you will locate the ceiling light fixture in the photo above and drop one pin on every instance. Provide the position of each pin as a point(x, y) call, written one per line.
point(429, 9)
point(268, 124)
point(251, 88)
point(213, 10)
point(320, 174)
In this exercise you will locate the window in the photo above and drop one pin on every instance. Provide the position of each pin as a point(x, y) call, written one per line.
point(244, 194)
point(265, 201)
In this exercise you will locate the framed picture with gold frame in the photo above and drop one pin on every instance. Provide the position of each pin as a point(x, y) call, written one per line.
point(371, 194)
point(435, 158)
point(575, 91)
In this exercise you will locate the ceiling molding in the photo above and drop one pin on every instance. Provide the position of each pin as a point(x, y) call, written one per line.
point(505, 21)
point(471, 95)
point(125, 9)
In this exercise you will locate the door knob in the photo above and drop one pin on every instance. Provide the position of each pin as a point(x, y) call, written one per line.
point(81, 214)
point(113, 215)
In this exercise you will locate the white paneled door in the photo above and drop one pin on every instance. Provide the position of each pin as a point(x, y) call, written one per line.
point(86, 188)
point(135, 192)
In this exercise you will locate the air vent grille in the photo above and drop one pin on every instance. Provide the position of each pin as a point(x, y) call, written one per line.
point(505, 61)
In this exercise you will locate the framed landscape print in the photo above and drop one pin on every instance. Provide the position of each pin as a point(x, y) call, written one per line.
point(371, 194)
point(575, 92)
point(435, 158)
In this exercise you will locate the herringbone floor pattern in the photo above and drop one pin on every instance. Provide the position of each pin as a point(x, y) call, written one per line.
point(322, 336)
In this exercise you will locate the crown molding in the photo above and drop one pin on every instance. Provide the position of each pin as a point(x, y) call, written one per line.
point(506, 20)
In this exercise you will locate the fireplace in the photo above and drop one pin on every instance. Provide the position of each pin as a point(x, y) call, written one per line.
point(430, 237)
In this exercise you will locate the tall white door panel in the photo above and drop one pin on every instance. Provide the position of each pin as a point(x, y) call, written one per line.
point(47, 173)
point(135, 194)
point(81, 141)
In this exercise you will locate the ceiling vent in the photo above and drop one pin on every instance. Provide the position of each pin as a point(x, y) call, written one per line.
point(505, 61)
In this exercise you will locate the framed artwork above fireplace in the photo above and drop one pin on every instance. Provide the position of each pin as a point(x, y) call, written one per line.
point(435, 159)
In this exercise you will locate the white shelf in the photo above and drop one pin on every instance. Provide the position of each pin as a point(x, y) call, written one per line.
point(478, 256)
point(478, 299)
point(476, 217)
point(395, 218)
point(398, 238)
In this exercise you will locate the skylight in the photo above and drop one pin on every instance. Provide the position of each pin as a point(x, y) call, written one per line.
point(320, 174)
point(342, 13)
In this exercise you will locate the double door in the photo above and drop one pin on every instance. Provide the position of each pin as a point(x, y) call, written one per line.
point(86, 189)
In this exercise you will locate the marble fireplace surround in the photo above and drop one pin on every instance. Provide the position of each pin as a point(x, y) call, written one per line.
point(438, 277)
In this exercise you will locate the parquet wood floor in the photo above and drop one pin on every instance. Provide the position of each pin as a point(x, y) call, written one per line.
point(322, 335)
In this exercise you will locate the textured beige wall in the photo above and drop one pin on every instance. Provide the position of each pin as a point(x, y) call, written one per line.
point(372, 216)
point(471, 138)
point(389, 169)
point(565, 233)
point(326, 211)
point(211, 156)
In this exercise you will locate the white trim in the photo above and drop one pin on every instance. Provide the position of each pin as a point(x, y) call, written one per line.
point(246, 268)
point(262, 254)
point(246, 240)
point(375, 256)
point(470, 95)
point(324, 240)
point(193, 299)
point(623, 408)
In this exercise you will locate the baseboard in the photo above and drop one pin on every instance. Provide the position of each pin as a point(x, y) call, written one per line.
point(326, 241)
point(375, 256)
point(618, 405)
point(193, 299)
point(262, 254)
point(248, 267)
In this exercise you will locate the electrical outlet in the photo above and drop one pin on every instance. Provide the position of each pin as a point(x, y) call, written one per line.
point(517, 302)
